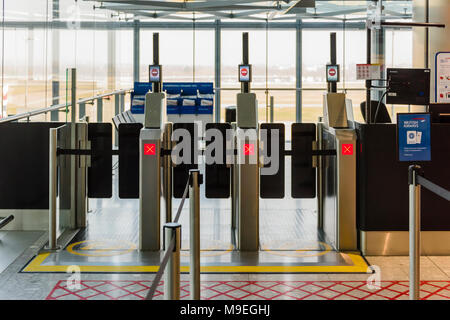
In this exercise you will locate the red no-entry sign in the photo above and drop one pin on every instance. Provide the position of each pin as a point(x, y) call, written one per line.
point(249, 149)
point(149, 149)
point(347, 149)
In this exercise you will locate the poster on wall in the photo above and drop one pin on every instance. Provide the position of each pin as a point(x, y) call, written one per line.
point(442, 77)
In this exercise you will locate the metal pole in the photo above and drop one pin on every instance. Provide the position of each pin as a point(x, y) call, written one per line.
point(172, 273)
point(368, 82)
point(320, 176)
point(271, 109)
point(122, 102)
point(298, 71)
point(73, 145)
point(414, 234)
point(217, 67)
point(332, 86)
point(100, 110)
point(53, 171)
point(136, 48)
point(167, 145)
point(116, 112)
point(194, 236)
point(82, 111)
point(234, 185)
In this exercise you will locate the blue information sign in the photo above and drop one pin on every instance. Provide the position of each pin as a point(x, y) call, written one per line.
point(414, 136)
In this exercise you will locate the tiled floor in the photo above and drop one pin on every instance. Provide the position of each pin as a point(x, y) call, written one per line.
point(252, 290)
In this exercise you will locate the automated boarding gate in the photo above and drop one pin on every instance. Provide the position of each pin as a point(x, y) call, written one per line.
point(323, 161)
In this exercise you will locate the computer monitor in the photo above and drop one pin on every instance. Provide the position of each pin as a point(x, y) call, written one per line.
point(408, 86)
point(440, 112)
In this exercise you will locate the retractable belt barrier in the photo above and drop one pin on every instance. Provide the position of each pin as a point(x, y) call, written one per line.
point(443, 193)
point(171, 246)
point(416, 180)
point(5, 221)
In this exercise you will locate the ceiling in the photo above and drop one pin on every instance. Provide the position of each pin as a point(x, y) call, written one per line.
point(198, 10)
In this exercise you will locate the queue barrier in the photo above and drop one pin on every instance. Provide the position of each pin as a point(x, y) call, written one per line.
point(416, 180)
point(172, 245)
point(5, 220)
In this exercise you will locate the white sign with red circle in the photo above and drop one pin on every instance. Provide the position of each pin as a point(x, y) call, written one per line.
point(332, 74)
point(244, 73)
point(155, 74)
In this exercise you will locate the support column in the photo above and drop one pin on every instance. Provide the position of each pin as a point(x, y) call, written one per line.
point(30, 54)
point(379, 57)
point(54, 115)
point(136, 47)
point(217, 65)
point(378, 52)
point(111, 60)
point(298, 71)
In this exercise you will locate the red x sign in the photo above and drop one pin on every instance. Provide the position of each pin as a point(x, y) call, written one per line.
point(347, 149)
point(149, 149)
point(249, 149)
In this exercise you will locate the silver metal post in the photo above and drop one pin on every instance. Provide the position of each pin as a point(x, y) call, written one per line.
point(100, 110)
point(234, 184)
point(414, 235)
point(116, 112)
point(167, 145)
point(82, 111)
point(53, 171)
point(172, 273)
point(122, 102)
point(194, 235)
point(320, 176)
point(271, 109)
point(73, 145)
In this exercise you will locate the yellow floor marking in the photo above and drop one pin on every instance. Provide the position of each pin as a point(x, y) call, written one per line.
point(359, 266)
point(121, 247)
point(300, 253)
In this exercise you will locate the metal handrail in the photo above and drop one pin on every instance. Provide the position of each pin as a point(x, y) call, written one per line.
point(289, 89)
point(60, 106)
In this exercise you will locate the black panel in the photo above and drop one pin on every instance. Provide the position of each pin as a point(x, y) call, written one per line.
point(408, 86)
point(100, 171)
point(218, 175)
point(383, 181)
point(303, 174)
point(24, 165)
point(129, 160)
point(181, 171)
point(272, 186)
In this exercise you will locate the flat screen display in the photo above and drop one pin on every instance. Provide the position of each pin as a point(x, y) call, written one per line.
point(155, 73)
point(332, 73)
point(245, 73)
point(408, 86)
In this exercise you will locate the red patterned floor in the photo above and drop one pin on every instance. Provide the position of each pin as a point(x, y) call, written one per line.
point(253, 290)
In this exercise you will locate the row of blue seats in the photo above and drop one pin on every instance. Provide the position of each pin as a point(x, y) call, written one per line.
point(182, 97)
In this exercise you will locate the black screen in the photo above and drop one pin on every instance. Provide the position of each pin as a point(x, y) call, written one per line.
point(408, 86)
